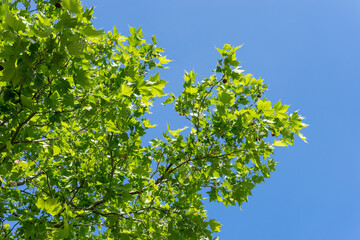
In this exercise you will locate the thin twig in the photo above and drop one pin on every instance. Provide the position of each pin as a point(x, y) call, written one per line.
point(11, 230)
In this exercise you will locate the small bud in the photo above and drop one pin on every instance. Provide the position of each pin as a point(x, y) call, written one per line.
point(224, 80)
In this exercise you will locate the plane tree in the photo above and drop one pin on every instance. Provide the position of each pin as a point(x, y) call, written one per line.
point(73, 103)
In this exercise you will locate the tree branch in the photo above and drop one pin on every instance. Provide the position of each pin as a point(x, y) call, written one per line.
point(95, 204)
point(11, 230)
point(18, 130)
point(82, 181)
point(20, 183)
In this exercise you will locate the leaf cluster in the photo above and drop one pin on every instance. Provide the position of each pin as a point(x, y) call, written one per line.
point(73, 101)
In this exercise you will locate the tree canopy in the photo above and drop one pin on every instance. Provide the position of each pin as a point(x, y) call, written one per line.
point(73, 103)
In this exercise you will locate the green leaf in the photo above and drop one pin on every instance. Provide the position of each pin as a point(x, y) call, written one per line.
point(158, 88)
point(51, 206)
point(74, 48)
point(14, 22)
point(89, 31)
point(56, 150)
point(43, 32)
point(302, 137)
point(111, 126)
point(8, 145)
point(73, 6)
point(170, 99)
point(12, 218)
point(147, 124)
point(191, 90)
point(281, 110)
point(280, 143)
point(175, 132)
point(2, 180)
point(4, 8)
point(164, 60)
point(136, 32)
point(215, 226)
point(63, 232)
point(66, 21)
point(225, 98)
point(189, 78)
point(153, 39)
point(92, 99)
point(68, 211)
point(68, 100)
point(126, 90)
point(126, 197)
point(82, 78)
point(26, 101)
point(265, 107)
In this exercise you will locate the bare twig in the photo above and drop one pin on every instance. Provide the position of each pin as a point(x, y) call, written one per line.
point(11, 230)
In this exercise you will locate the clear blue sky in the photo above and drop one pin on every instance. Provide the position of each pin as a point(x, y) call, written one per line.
point(308, 52)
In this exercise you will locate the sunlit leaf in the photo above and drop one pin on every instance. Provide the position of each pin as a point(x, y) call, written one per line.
point(51, 206)
point(279, 143)
point(175, 132)
point(215, 226)
point(73, 6)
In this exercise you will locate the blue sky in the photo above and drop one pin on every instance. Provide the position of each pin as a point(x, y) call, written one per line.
point(308, 52)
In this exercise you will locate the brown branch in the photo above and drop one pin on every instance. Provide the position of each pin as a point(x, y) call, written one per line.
point(11, 230)
point(202, 101)
point(82, 181)
point(122, 215)
point(58, 224)
point(38, 64)
point(162, 176)
point(43, 190)
point(18, 130)
point(4, 122)
point(50, 139)
point(159, 180)
point(36, 140)
point(95, 204)
point(156, 170)
point(108, 214)
point(20, 183)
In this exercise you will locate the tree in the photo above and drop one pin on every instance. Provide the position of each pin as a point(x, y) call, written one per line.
point(73, 101)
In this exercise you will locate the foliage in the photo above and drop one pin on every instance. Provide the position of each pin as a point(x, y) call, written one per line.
point(73, 101)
